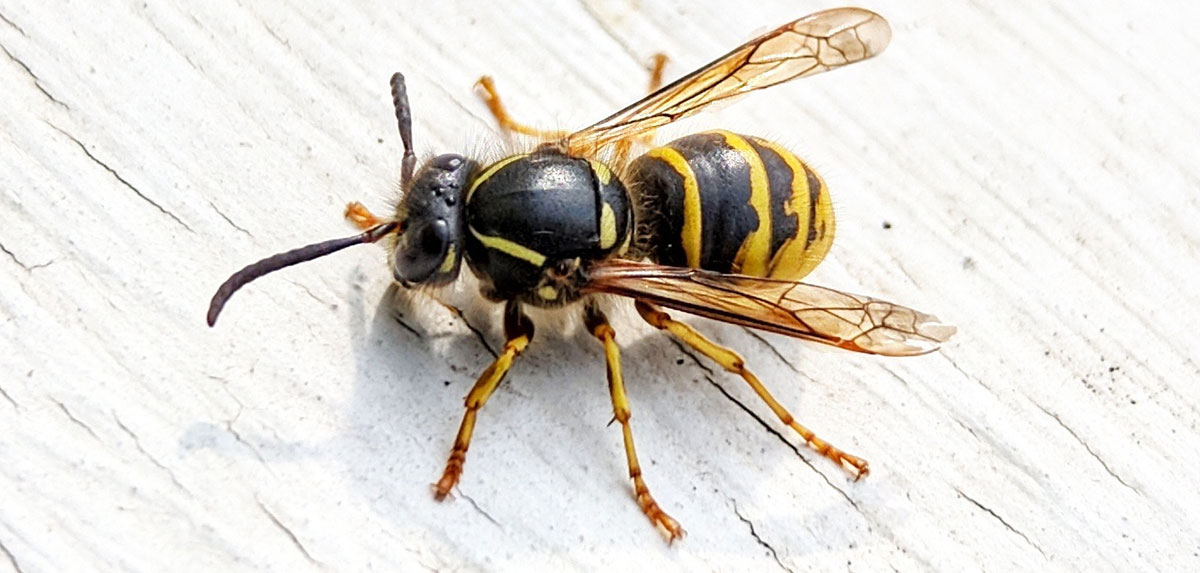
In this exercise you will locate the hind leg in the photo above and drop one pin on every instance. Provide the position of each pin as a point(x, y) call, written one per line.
point(732, 362)
point(598, 324)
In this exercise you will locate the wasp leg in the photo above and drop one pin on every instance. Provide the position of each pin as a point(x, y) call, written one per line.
point(658, 63)
point(598, 324)
point(518, 331)
point(731, 361)
point(487, 90)
point(362, 217)
point(656, 71)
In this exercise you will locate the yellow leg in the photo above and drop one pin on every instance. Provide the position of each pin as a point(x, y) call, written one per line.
point(487, 90)
point(362, 217)
point(731, 361)
point(518, 331)
point(600, 328)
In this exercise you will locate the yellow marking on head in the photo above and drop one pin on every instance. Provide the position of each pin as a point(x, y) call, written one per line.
point(548, 292)
point(491, 170)
point(448, 262)
point(608, 226)
point(510, 248)
point(754, 256)
point(690, 234)
point(602, 171)
point(797, 257)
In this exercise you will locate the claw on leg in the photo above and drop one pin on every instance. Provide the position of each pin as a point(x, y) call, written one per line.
point(598, 325)
point(658, 63)
point(362, 217)
point(732, 362)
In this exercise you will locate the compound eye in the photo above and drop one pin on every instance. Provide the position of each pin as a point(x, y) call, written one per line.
point(421, 251)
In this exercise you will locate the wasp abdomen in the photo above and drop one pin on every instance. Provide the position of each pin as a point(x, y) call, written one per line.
point(732, 204)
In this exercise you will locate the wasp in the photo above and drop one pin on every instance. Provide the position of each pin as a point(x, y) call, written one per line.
point(713, 224)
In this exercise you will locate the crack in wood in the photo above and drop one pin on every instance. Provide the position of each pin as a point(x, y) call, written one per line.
point(754, 334)
point(399, 318)
point(13, 256)
point(974, 379)
point(228, 220)
point(478, 333)
point(311, 294)
point(12, 559)
point(120, 178)
point(9, 399)
point(758, 538)
point(28, 267)
point(9, 21)
point(77, 421)
point(238, 436)
point(37, 82)
point(1085, 445)
point(1002, 521)
point(291, 535)
point(475, 505)
point(137, 443)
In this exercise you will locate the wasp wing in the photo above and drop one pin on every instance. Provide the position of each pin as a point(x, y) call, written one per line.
point(811, 45)
point(811, 312)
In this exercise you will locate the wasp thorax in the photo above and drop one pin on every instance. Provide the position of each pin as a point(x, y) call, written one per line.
point(429, 248)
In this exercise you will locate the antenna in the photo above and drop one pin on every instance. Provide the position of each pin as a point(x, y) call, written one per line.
point(287, 259)
point(404, 118)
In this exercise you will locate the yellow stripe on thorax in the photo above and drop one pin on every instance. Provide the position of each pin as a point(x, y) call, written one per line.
point(796, 257)
point(491, 170)
point(603, 173)
point(690, 234)
point(608, 226)
point(754, 256)
point(511, 248)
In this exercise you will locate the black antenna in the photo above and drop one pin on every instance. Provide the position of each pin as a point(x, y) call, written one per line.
point(404, 118)
point(284, 260)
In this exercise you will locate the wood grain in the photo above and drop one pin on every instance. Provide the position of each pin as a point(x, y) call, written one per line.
point(1026, 170)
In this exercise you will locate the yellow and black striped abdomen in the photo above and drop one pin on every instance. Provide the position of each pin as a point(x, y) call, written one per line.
point(733, 204)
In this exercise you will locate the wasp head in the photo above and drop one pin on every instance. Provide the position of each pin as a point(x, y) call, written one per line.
point(429, 247)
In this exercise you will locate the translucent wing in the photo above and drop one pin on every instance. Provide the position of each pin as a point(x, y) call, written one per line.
point(849, 321)
point(811, 45)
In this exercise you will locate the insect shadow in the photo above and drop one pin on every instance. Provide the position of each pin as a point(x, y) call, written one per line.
point(547, 430)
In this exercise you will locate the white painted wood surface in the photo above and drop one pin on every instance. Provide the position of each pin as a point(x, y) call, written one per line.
point(1036, 163)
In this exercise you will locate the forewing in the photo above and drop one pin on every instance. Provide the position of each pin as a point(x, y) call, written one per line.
point(811, 45)
point(853, 322)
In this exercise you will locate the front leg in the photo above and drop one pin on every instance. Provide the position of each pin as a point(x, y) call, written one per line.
point(518, 331)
